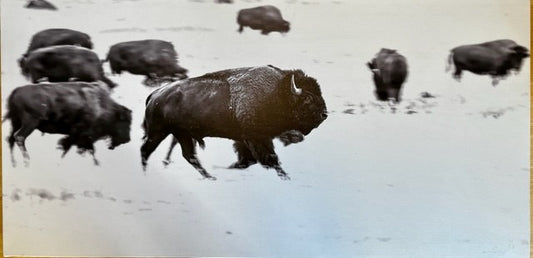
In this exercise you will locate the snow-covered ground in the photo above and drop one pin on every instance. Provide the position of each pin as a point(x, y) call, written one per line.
point(440, 177)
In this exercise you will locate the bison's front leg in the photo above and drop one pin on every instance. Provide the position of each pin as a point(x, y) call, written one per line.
point(149, 145)
point(245, 157)
point(263, 151)
point(189, 153)
point(65, 144)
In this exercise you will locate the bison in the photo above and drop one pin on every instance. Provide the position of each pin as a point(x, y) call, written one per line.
point(40, 4)
point(389, 70)
point(62, 64)
point(59, 36)
point(249, 105)
point(156, 59)
point(266, 18)
point(56, 37)
point(495, 58)
point(84, 112)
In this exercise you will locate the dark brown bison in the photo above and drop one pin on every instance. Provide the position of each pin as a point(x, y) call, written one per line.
point(59, 36)
point(156, 59)
point(265, 18)
point(62, 64)
point(56, 37)
point(389, 70)
point(40, 4)
point(495, 58)
point(82, 111)
point(248, 105)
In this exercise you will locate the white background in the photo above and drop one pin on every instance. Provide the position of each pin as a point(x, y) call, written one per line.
point(448, 177)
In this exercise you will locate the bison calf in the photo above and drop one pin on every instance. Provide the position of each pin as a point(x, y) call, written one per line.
point(82, 111)
point(249, 105)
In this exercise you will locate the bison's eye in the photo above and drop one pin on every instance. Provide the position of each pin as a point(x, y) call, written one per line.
point(308, 99)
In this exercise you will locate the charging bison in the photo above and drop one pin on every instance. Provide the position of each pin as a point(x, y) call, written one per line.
point(495, 58)
point(265, 18)
point(62, 64)
point(82, 111)
point(248, 105)
point(389, 70)
point(156, 59)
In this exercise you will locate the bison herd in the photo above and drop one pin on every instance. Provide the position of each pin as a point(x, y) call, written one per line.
point(70, 94)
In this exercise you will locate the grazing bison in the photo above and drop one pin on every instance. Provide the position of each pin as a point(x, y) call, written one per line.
point(390, 71)
point(156, 59)
point(248, 105)
point(82, 111)
point(495, 58)
point(62, 64)
point(40, 4)
point(265, 18)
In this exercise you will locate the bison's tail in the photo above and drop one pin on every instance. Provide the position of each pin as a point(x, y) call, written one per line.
point(449, 62)
point(105, 60)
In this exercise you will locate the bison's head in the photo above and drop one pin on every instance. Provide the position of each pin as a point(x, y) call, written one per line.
point(180, 73)
point(284, 26)
point(308, 107)
point(120, 131)
point(23, 68)
point(516, 56)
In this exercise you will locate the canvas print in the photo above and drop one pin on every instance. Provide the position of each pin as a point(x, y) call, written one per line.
point(265, 128)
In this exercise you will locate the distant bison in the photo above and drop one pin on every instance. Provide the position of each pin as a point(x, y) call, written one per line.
point(495, 58)
point(156, 59)
point(265, 18)
point(59, 36)
point(249, 105)
point(82, 111)
point(40, 4)
point(56, 37)
point(62, 64)
point(389, 70)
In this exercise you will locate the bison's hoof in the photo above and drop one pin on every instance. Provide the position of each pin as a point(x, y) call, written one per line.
point(284, 177)
point(212, 178)
point(166, 162)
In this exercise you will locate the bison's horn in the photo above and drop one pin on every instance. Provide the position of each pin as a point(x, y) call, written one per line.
point(295, 90)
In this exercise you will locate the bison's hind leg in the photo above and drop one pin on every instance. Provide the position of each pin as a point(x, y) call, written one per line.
point(15, 126)
point(495, 80)
point(65, 144)
point(263, 151)
point(244, 156)
point(457, 74)
point(188, 152)
point(240, 28)
point(28, 125)
point(169, 153)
